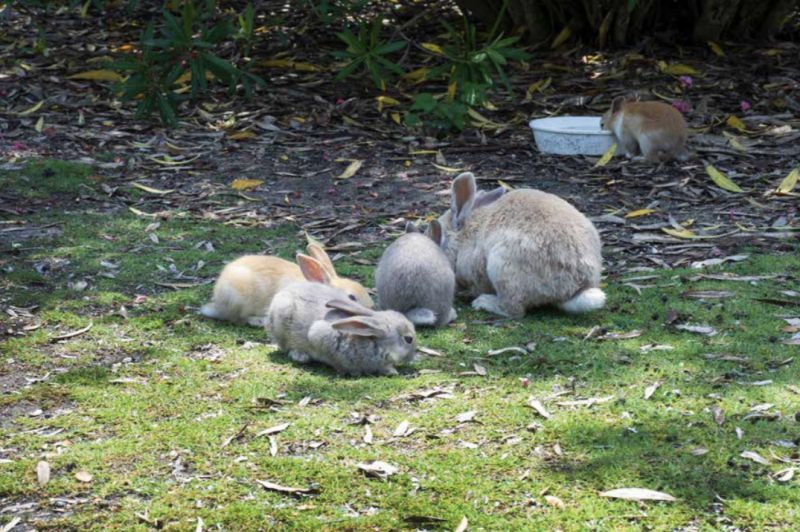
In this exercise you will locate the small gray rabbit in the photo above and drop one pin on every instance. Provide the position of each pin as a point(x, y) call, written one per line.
point(414, 277)
point(355, 340)
point(292, 312)
point(317, 322)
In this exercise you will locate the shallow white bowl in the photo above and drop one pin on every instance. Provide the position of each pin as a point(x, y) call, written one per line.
point(571, 135)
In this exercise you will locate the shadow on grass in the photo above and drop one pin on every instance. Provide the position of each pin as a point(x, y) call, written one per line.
point(658, 452)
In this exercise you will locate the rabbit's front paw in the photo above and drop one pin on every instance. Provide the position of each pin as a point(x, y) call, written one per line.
point(452, 315)
point(389, 371)
point(257, 321)
point(489, 303)
point(299, 357)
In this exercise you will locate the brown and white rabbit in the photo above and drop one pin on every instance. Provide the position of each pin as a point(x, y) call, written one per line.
point(247, 285)
point(351, 338)
point(522, 249)
point(654, 129)
point(414, 277)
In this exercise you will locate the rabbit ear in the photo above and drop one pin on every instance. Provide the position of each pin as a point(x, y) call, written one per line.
point(435, 232)
point(463, 197)
point(486, 198)
point(411, 228)
point(313, 270)
point(316, 251)
point(352, 308)
point(361, 326)
point(616, 104)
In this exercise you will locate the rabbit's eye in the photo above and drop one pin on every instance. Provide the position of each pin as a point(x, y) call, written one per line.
point(352, 297)
point(408, 339)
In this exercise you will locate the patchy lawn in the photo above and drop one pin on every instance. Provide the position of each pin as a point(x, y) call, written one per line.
point(169, 419)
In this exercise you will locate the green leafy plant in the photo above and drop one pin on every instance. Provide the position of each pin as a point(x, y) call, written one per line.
point(332, 11)
point(438, 114)
point(185, 45)
point(473, 66)
point(471, 69)
point(366, 52)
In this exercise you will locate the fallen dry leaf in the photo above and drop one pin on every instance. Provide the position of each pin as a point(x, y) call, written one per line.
point(351, 170)
point(273, 446)
point(722, 180)
point(8, 527)
point(591, 401)
point(538, 407)
point(246, 184)
point(789, 182)
point(638, 494)
point(650, 390)
point(716, 262)
point(555, 502)
point(465, 417)
point(718, 414)
point(378, 469)
point(402, 429)
point(755, 457)
point(697, 329)
point(428, 351)
point(43, 472)
point(607, 156)
point(273, 430)
point(286, 489)
point(83, 476)
point(495, 352)
point(784, 475)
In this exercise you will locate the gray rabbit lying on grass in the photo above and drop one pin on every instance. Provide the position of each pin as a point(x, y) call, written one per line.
point(315, 322)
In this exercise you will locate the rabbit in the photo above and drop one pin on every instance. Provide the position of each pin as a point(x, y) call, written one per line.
point(292, 312)
point(315, 323)
point(414, 277)
point(246, 286)
point(522, 249)
point(355, 340)
point(654, 129)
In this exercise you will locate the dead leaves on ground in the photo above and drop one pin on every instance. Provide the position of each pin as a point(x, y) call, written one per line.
point(638, 494)
point(377, 469)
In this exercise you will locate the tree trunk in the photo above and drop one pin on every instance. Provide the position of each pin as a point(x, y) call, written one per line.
point(715, 17)
point(485, 11)
point(779, 11)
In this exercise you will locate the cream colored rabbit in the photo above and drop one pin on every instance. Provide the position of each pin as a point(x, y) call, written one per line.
point(247, 285)
point(520, 250)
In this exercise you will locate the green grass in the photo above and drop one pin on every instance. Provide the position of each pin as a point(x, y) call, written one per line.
point(43, 178)
point(146, 402)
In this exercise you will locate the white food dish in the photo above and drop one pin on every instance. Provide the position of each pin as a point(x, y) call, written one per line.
point(571, 135)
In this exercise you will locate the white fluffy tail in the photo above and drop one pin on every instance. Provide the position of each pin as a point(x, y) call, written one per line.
point(210, 311)
point(589, 299)
point(421, 316)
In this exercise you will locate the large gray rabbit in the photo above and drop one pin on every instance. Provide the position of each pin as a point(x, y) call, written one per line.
point(522, 249)
point(311, 321)
point(414, 277)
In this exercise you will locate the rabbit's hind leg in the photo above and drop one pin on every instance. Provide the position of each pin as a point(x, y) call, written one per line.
point(301, 358)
